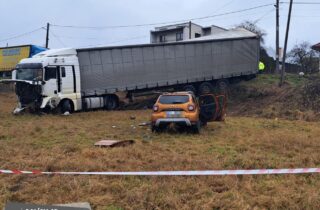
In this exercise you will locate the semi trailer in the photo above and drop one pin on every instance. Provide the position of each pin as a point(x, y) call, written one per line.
point(90, 78)
point(10, 57)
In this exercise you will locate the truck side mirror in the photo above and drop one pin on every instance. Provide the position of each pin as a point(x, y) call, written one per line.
point(14, 74)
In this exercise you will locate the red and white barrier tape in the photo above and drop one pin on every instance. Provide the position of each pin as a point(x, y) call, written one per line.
point(177, 173)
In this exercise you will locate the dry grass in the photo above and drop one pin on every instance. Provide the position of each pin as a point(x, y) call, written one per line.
point(53, 143)
point(262, 97)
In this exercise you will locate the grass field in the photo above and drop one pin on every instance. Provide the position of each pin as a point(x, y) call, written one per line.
point(65, 143)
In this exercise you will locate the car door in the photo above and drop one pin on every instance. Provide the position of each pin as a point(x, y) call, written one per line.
point(209, 107)
point(66, 80)
point(222, 104)
point(50, 87)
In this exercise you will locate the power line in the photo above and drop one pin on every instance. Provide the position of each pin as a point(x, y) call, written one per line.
point(21, 35)
point(300, 2)
point(161, 23)
point(263, 16)
point(57, 38)
point(75, 37)
point(225, 5)
point(123, 40)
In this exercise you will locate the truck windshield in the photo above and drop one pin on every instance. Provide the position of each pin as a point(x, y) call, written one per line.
point(173, 99)
point(29, 74)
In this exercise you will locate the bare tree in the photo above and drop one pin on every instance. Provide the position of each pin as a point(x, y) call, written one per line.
point(251, 26)
point(302, 55)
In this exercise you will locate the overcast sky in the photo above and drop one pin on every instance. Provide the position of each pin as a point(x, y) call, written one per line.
point(20, 16)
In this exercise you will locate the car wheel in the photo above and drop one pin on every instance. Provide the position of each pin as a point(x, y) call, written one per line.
point(197, 127)
point(155, 129)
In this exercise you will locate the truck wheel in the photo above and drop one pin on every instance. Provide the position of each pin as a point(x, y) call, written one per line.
point(190, 88)
point(112, 102)
point(205, 88)
point(66, 106)
point(222, 85)
point(197, 127)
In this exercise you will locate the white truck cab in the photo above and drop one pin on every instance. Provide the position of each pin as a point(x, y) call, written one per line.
point(49, 79)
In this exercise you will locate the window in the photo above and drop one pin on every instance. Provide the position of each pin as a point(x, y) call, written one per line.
point(174, 99)
point(197, 35)
point(50, 73)
point(29, 74)
point(162, 38)
point(63, 72)
point(179, 36)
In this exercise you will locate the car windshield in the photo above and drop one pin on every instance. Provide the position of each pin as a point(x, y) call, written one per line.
point(29, 74)
point(173, 99)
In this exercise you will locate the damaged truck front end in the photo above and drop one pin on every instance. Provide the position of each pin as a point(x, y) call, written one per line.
point(29, 96)
point(28, 79)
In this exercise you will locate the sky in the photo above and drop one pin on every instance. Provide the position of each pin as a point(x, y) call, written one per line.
point(21, 17)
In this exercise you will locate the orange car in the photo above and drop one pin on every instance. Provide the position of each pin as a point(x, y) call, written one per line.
point(181, 108)
point(184, 109)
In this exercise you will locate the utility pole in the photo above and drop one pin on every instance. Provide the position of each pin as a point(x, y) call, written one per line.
point(277, 38)
point(283, 69)
point(189, 29)
point(47, 36)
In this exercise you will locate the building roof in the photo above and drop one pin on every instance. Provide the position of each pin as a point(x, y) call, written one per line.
point(214, 26)
point(316, 47)
point(231, 34)
point(173, 26)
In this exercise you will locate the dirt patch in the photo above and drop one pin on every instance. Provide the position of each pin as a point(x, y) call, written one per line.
point(293, 101)
point(6, 88)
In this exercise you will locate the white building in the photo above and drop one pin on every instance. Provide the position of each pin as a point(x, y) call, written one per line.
point(183, 31)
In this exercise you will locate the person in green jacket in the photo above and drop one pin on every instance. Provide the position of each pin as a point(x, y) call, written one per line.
point(261, 66)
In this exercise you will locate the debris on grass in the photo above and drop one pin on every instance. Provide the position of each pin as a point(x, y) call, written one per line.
point(144, 124)
point(114, 143)
point(132, 117)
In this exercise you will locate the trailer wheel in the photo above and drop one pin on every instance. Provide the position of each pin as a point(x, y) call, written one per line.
point(190, 88)
point(112, 102)
point(223, 85)
point(206, 88)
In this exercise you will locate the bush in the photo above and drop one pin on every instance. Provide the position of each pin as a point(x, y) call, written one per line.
point(311, 93)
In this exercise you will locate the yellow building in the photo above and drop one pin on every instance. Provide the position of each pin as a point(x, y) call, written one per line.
point(11, 56)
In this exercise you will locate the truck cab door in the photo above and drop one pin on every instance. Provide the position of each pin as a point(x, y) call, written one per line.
point(209, 107)
point(50, 88)
point(66, 80)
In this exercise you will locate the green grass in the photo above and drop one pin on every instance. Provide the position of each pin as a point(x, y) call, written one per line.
point(267, 80)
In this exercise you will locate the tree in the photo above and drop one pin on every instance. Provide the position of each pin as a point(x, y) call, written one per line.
point(302, 55)
point(251, 26)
